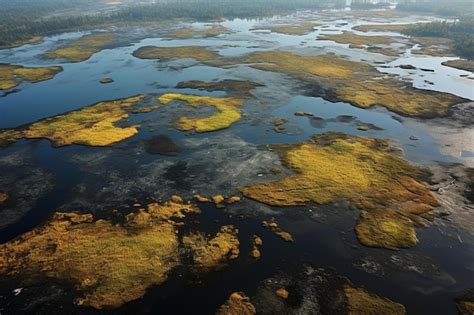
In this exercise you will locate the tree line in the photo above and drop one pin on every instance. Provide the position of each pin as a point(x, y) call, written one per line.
point(461, 32)
point(21, 22)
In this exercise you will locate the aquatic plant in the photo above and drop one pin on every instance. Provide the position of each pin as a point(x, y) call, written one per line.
point(356, 83)
point(357, 41)
point(383, 27)
point(364, 171)
point(237, 304)
point(189, 32)
point(92, 125)
point(13, 75)
point(83, 48)
point(109, 264)
point(327, 67)
point(295, 29)
point(397, 97)
point(227, 113)
point(237, 88)
point(386, 228)
point(3, 198)
point(466, 65)
point(361, 302)
point(213, 252)
point(198, 53)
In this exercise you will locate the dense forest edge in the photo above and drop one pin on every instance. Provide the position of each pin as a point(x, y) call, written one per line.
point(461, 32)
point(22, 20)
point(19, 24)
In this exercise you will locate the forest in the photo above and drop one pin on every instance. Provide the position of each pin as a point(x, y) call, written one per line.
point(460, 31)
point(21, 22)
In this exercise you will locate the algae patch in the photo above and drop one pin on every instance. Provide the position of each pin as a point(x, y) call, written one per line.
point(12, 75)
point(83, 48)
point(93, 125)
point(227, 111)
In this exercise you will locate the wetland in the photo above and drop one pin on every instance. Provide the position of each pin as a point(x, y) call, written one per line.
point(311, 162)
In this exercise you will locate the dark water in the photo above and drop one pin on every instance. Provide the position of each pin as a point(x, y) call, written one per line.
point(328, 242)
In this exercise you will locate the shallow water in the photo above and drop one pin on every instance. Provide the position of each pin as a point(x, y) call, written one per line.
point(330, 242)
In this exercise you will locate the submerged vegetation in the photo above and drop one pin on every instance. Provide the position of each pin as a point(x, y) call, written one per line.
point(227, 111)
point(83, 48)
point(93, 125)
point(12, 75)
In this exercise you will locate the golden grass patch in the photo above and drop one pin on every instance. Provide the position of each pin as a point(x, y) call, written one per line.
point(363, 171)
point(109, 264)
point(295, 29)
point(357, 41)
point(83, 48)
point(227, 111)
point(216, 251)
point(198, 53)
point(92, 125)
point(466, 65)
point(361, 302)
point(12, 75)
point(190, 32)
